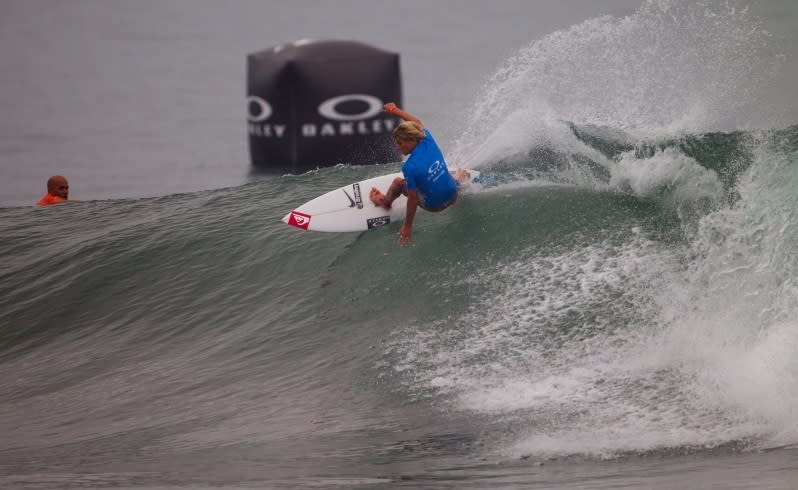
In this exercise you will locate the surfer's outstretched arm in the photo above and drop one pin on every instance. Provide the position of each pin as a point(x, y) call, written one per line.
point(392, 108)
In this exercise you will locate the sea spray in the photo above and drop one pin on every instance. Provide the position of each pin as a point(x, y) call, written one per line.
point(673, 67)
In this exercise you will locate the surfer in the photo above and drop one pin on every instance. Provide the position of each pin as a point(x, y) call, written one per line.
point(57, 191)
point(427, 182)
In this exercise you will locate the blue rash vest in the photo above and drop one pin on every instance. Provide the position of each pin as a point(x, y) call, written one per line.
point(425, 171)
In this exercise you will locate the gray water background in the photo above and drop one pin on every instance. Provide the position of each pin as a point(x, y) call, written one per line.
point(139, 99)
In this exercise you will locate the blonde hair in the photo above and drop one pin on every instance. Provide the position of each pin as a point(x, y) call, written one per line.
point(409, 131)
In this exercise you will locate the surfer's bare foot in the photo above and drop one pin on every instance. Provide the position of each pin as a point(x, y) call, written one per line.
point(461, 175)
point(378, 198)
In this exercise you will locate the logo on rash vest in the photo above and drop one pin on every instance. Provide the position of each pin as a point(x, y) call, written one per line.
point(436, 170)
point(300, 220)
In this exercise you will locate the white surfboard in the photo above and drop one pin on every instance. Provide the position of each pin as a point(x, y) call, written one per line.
point(349, 208)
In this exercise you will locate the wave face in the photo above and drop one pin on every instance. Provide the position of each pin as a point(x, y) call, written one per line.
point(622, 282)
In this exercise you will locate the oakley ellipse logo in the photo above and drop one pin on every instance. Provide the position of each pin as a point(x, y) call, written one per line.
point(259, 109)
point(330, 107)
point(346, 115)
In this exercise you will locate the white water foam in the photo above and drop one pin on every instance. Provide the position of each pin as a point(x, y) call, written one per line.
point(672, 179)
point(733, 319)
point(669, 171)
point(551, 344)
point(713, 359)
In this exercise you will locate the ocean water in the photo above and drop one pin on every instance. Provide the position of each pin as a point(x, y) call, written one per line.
point(614, 306)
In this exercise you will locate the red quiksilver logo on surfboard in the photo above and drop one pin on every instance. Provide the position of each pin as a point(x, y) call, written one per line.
point(300, 220)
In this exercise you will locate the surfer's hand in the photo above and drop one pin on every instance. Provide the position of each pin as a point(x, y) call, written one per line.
point(405, 234)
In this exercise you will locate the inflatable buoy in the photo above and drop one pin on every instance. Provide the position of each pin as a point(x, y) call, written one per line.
point(319, 103)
